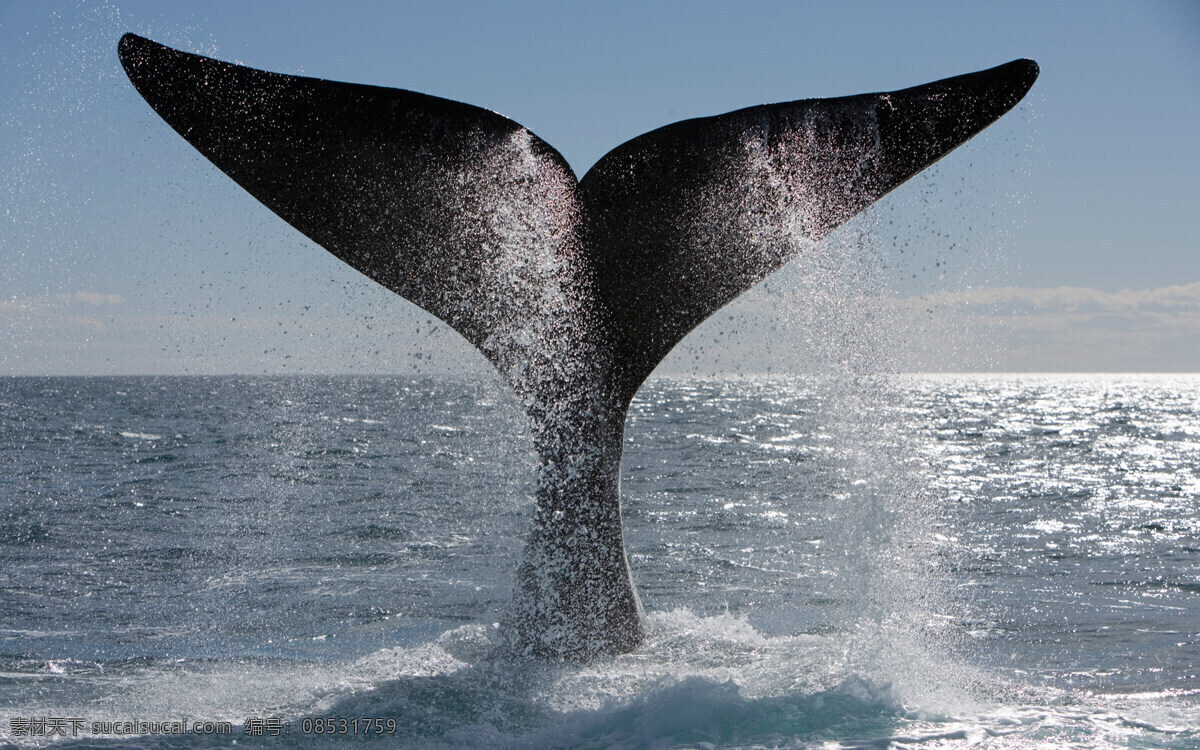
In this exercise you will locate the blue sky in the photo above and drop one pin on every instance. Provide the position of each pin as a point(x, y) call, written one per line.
point(1063, 238)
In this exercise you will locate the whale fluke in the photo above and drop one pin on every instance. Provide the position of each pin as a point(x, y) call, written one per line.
point(699, 211)
point(573, 289)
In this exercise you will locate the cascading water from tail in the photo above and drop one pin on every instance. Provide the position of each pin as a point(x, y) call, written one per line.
point(573, 290)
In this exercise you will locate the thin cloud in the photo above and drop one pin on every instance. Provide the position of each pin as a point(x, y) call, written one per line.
point(986, 329)
point(56, 315)
point(1062, 328)
point(93, 298)
point(1175, 300)
point(22, 304)
point(45, 302)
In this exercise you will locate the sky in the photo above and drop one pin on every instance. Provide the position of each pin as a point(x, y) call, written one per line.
point(1063, 238)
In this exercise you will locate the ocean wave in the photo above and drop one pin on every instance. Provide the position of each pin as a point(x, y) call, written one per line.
point(698, 682)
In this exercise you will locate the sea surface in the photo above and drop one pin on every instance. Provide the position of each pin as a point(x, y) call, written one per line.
point(909, 561)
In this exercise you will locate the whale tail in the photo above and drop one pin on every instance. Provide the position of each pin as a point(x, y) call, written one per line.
point(573, 289)
point(477, 220)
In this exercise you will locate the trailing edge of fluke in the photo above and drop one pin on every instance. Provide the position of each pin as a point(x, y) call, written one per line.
point(574, 289)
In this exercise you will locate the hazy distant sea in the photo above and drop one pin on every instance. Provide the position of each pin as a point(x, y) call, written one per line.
point(996, 561)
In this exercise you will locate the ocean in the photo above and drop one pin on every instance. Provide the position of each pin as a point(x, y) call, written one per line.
point(918, 561)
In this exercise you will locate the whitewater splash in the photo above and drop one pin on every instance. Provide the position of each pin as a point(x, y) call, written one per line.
point(696, 682)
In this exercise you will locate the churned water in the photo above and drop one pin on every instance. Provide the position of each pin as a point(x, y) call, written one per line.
point(930, 561)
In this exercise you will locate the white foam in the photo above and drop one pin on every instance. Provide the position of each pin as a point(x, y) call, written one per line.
point(141, 436)
point(698, 681)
